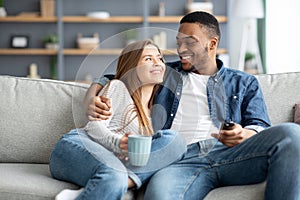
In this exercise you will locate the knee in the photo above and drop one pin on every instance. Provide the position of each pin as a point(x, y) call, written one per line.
point(290, 130)
point(291, 134)
point(158, 193)
point(293, 131)
point(119, 181)
point(114, 178)
point(155, 191)
point(159, 187)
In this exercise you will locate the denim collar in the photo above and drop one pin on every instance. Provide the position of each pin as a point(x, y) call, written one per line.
point(221, 69)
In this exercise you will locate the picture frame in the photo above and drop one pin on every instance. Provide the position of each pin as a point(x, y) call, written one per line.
point(19, 41)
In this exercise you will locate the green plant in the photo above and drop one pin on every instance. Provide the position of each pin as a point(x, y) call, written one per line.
point(131, 34)
point(249, 56)
point(51, 39)
point(1, 3)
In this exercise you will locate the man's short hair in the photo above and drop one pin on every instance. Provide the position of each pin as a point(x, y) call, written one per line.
point(208, 21)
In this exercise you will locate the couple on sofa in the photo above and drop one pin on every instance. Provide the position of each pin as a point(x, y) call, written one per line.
point(248, 152)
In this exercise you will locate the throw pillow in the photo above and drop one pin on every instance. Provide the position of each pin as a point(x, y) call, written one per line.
point(297, 113)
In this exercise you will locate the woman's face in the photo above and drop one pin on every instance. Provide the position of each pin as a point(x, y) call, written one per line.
point(151, 66)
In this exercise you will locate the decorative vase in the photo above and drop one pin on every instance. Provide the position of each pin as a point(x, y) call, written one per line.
point(51, 46)
point(2, 12)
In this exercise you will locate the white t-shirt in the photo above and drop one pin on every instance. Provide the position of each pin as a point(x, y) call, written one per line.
point(193, 122)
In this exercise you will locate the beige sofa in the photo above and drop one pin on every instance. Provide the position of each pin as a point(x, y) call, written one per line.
point(36, 113)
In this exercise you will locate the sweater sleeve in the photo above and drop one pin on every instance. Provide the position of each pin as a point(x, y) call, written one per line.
point(100, 131)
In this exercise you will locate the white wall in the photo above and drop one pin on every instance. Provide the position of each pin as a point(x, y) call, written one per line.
point(282, 36)
point(235, 27)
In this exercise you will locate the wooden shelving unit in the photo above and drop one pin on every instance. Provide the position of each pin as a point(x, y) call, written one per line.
point(63, 21)
point(84, 19)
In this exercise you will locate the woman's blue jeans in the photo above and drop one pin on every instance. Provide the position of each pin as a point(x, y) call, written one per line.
point(79, 160)
point(272, 155)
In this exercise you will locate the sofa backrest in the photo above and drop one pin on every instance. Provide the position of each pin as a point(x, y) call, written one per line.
point(281, 92)
point(34, 114)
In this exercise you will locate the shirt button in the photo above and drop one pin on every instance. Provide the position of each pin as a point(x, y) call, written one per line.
point(235, 97)
point(172, 114)
point(178, 93)
point(216, 80)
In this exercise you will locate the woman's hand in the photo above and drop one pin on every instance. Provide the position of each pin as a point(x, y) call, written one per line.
point(124, 146)
point(124, 142)
point(234, 135)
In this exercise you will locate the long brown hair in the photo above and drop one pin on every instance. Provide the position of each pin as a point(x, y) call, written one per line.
point(126, 72)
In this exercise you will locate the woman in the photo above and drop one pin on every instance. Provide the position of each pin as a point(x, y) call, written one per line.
point(91, 157)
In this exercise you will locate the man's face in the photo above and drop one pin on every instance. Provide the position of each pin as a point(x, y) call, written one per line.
point(192, 47)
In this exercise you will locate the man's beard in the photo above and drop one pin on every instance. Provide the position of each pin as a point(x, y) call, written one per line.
point(191, 69)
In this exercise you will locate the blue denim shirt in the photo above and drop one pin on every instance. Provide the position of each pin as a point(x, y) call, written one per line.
point(232, 95)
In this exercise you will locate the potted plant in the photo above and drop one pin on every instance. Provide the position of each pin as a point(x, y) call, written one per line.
point(51, 41)
point(250, 63)
point(2, 9)
point(130, 35)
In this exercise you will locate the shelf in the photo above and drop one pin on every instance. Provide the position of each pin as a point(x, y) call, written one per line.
point(176, 19)
point(118, 51)
point(130, 19)
point(79, 52)
point(28, 19)
point(113, 19)
point(91, 52)
point(28, 52)
point(174, 51)
point(114, 51)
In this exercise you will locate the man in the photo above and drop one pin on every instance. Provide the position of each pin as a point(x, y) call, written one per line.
point(248, 152)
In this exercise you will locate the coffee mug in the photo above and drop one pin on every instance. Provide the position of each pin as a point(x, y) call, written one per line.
point(139, 148)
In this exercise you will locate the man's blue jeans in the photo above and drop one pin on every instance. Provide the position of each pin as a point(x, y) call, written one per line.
point(79, 160)
point(272, 155)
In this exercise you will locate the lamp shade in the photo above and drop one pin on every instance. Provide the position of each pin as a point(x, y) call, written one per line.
point(248, 8)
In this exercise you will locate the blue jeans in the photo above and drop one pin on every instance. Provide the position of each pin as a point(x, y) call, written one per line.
point(272, 155)
point(79, 160)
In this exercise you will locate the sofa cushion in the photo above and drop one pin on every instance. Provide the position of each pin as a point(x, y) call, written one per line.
point(281, 91)
point(29, 181)
point(247, 192)
point(35, 113)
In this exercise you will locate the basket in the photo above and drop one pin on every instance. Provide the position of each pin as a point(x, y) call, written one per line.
point(87, 42)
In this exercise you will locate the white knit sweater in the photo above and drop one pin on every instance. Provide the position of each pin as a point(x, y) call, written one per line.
point(109, 132)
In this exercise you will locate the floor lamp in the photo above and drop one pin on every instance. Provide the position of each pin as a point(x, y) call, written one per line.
point(249, 10)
